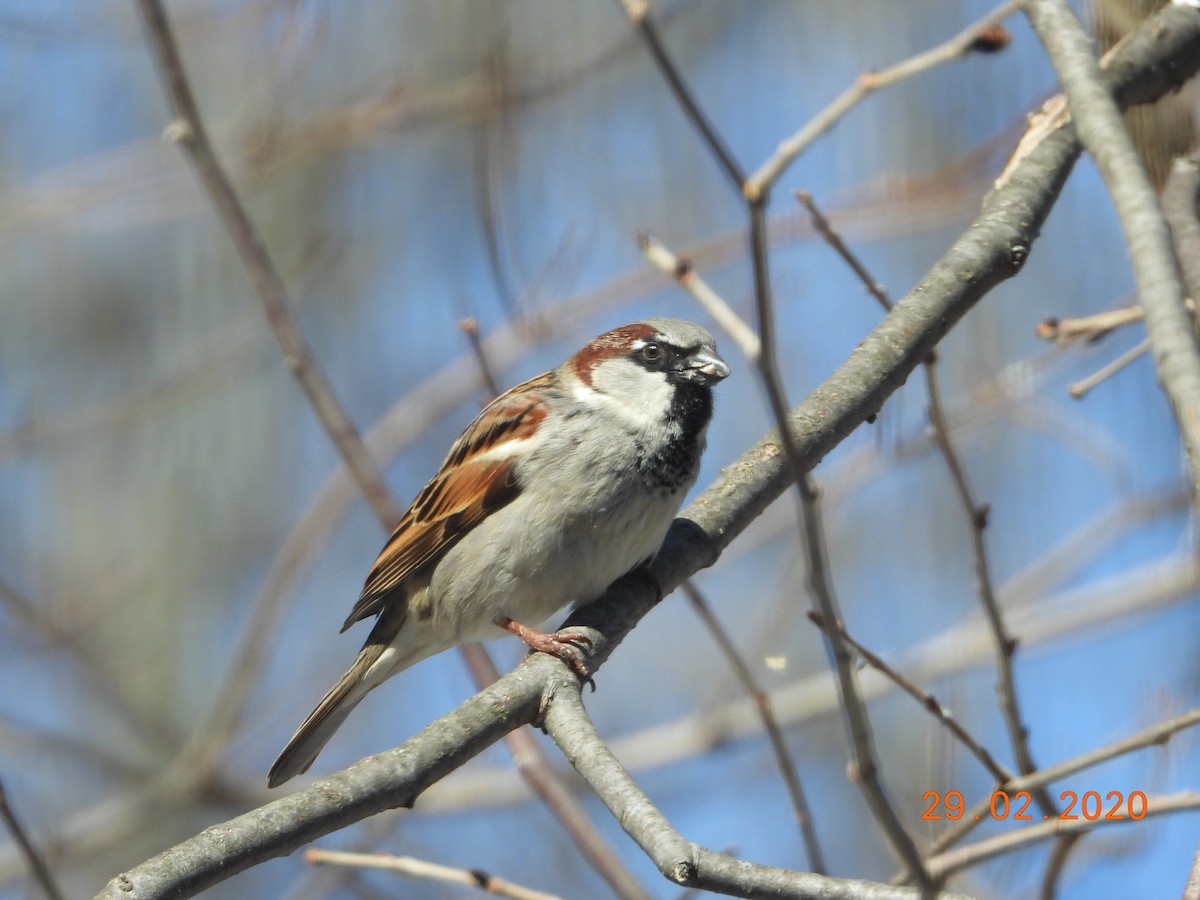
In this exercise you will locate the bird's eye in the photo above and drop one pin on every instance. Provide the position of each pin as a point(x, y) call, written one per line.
point(652, 352)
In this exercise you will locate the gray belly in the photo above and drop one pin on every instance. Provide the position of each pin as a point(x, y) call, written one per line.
point(528, 573)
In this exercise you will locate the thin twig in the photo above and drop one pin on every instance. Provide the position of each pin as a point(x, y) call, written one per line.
point(926, 699)
point(977, 516)
point(947, 864)
point(986, 34)
point(1156, 735)
point(33, 857)
point(865, 769)
point(1103, 132)
point(187, 130)
point(681, 269)
point(638, 13)
point(471, 329)
point(1087, 328)
point(1077, 390)
point(419, 868)
point(1006, 644)
point(492, 107)
point(762, 702)
point(1056, 863)
point(829, 233)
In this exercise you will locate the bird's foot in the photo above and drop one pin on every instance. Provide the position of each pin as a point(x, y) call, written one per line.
point(570, 647)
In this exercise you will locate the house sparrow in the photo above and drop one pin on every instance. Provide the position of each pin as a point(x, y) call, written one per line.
point(558, 488)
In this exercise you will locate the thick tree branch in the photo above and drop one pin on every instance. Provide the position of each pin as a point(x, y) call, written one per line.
point(1181, 197)
point(1162, 54)
point(1103, 132)
point(679, 859)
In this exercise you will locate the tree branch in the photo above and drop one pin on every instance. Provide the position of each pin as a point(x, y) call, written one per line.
point(680, 860)
point(201, 752)
point(1163, 53)
point(762, 702)
point(1103, 132)
point(189, 132)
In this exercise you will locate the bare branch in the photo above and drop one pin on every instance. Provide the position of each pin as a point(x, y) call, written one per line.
point(927, 700)
point(189, 132)
point(33, 857)
point(990, 251)
point(1180, 198)
point(682, 270)
point(680, 860)
point(762, 702)
point(1098, 122)
point(1156, 805)
point(826, 230)
point(419, 868)
point(471, 329)
point(863, 769)
point(638, 13)
point(977, 522)
point(1155, 735)
point(1088, 328)
point(1006, 644)
point(986, 34)
point(1077, 390)
point(1191, 891)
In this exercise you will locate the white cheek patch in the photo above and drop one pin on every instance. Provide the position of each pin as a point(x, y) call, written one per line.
point(636, 396)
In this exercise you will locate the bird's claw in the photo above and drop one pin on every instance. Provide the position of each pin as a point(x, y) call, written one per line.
point(571, 647)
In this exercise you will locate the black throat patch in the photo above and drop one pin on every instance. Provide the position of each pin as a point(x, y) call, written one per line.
point(673, 464)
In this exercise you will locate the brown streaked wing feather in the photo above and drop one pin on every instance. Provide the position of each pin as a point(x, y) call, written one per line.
point(460, 496)
point(468, 495)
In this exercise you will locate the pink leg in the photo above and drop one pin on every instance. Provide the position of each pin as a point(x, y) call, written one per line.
point(561, 645)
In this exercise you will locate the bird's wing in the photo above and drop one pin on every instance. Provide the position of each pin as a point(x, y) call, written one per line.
point(477, 478)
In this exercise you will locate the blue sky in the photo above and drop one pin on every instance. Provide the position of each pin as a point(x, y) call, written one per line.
point(155, 453)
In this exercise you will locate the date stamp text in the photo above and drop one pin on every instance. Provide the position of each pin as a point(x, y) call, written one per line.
point(1114, 806)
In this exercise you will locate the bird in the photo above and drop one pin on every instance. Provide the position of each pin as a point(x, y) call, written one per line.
point(560, 486)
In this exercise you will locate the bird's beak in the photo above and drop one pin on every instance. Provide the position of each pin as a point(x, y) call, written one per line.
point(706, 368)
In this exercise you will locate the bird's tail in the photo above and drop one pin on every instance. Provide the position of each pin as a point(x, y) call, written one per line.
point(380, 658)
point(318, 728)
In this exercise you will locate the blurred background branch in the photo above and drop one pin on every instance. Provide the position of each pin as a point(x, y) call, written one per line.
point(179, 535)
